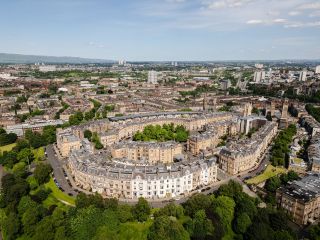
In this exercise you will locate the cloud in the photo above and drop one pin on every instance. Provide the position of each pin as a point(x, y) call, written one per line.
point(302, 24)
point(229, 15)
point(315, 14)
point(255, 21)
point(310, 6)
point(267, 22)
point(94, 44)
point(175, 1)
point(279, 20)
point(227, 4)
point(294, 13)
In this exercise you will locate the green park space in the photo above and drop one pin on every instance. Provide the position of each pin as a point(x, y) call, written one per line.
point(269, 172)
point(297, 160)
point(58, 194)
point(7, 148)
point(38, 154)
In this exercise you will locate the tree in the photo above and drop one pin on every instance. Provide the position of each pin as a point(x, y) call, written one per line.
point(282, 235)
point(11, 227)
point(272, 184)
point(170, 210)
point(84, 201)
point(6, 139)
point(162, 133)
point(21, 144)
point(245, 204)
point(26, 203)
point(2, 131)
point(232, 189)
point(262, 230)
point(76, 119)
point(44, 230)
point(42, 173)
point(89, 115)
point(278, 220)
point(141, 210)
point(86, 221)
point(196, 203)
point(9, 159)
point(314, 232)
point(87, 134)
point(164, 228)
point(202, 226)
point(242, 223)
point(223, 210)
point(31, 217)
point(49, 134)
point(25, 155)
point(13, 188)
point(98, 145)
point(125, 213)
point(35, 139)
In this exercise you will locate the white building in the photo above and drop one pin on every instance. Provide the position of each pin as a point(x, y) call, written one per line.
point(7, 76)
point(259, 76)
point(47, 68)
point(225, 84)
point(152, 77)
point(122, 62)
point(303, 76)
point(317, 69)
point(259, 65)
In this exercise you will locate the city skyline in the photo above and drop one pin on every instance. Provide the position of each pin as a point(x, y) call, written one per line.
point(177, 30)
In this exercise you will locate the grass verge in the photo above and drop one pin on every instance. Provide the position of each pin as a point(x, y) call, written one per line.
point(59, 195)
point(269, 172)
point(7, 148)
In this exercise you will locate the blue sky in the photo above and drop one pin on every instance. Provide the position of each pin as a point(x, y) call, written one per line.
point(162, 29)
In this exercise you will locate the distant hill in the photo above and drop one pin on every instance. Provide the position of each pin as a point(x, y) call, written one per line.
point(30, 59)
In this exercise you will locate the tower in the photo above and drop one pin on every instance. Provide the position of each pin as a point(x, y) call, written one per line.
point(152, 77)
point(205, 102)
point(247, 109)
point(284, 115)
point(272, 108)
point(303, 76)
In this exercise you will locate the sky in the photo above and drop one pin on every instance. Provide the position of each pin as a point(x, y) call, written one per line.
point(162, 30)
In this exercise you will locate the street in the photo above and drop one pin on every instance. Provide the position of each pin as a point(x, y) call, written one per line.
point(58, 171)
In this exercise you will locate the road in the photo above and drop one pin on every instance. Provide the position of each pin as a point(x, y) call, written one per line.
point(58, 171)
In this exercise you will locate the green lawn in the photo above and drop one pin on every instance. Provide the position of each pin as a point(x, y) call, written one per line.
point(297, 160)
point(38, 154)
point(51, 200)
point(58, 194)
point(7, 148)
point(270, 171)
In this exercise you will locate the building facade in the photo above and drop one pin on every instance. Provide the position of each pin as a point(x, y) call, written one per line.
point(243, 155)
point(301, 199)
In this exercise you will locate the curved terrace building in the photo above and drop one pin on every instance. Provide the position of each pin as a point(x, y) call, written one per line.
point(130, 169)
